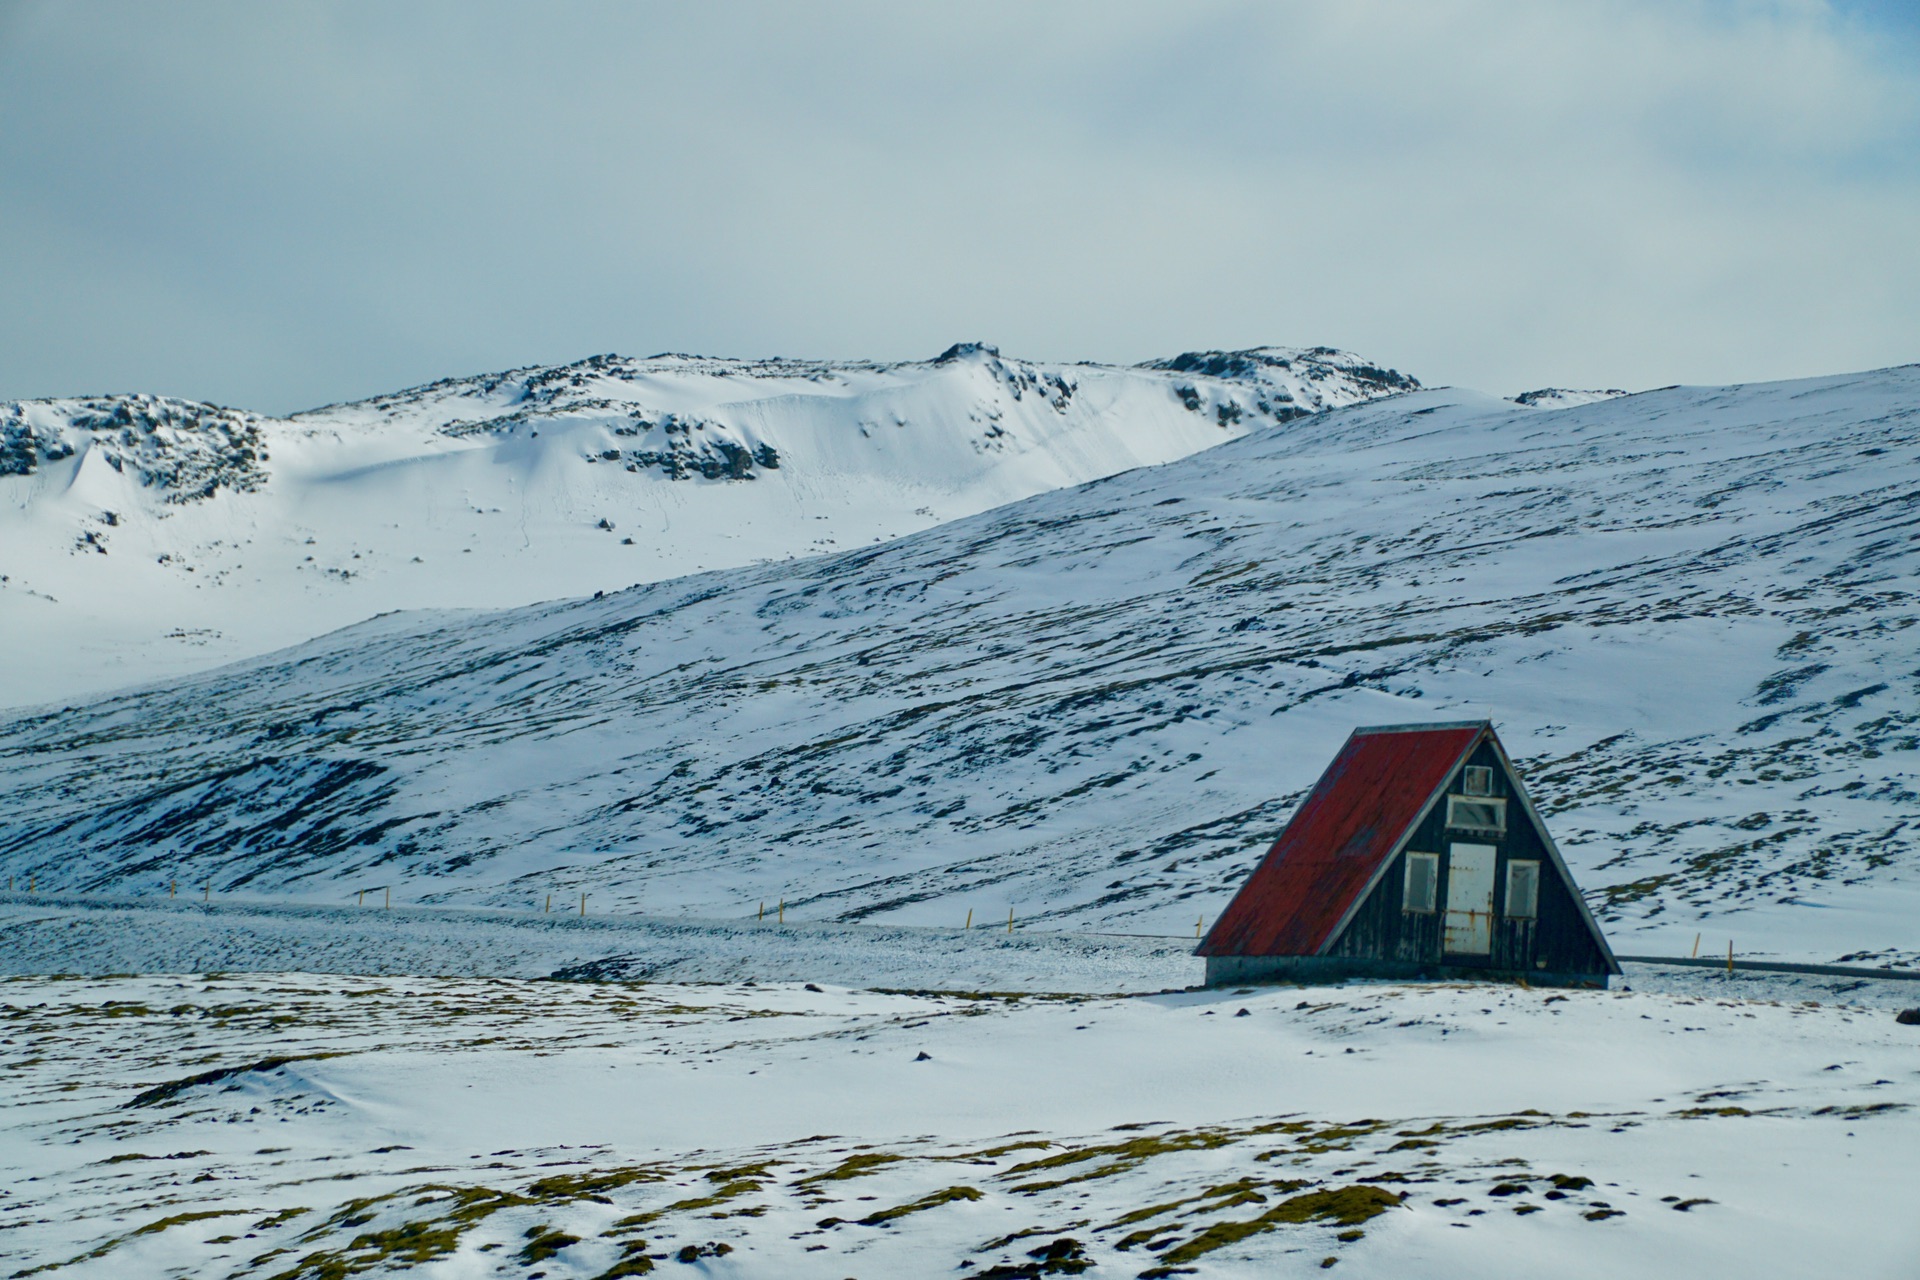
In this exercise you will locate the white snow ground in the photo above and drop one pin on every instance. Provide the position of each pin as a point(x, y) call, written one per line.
point(1690, 612)
point(43, 933)
point(108, 937)
point(143, 538)
point(1564, 397)
point(320, 1126)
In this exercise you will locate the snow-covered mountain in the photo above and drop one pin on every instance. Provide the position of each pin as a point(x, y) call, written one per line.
point(1692, 613)
point(1564, 397)
point(142, 537)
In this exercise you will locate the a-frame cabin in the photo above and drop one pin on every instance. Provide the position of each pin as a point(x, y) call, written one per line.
point(1416, 855)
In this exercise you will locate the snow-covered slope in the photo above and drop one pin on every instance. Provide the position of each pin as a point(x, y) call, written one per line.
point(1563, 397)
point(142, 537)
point(1691, 613)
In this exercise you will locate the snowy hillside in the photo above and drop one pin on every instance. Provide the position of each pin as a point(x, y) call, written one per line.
point(1563, 397)
point(1691, 613)
point(142, 537)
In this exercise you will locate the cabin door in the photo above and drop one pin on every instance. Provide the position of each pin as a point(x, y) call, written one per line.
point(1470, 899)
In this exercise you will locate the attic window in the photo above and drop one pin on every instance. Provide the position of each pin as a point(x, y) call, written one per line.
point(1523, 890)
point(1479, 780)
point(1423, 882)
point(1477, 814)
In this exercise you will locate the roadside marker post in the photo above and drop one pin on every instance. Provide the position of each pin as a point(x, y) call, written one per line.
point(1696, 946)
point(583, 906)
point(1009, 919)
point(782, 918)
point(1729, 957)
point(762, 917)
point(389, 897)
point(1198, 921)
point(549, 904)
point(969, 918)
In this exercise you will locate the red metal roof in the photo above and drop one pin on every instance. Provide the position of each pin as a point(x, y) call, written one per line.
point(1355, 817)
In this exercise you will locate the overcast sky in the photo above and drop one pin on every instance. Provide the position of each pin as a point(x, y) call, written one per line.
point(279, 205)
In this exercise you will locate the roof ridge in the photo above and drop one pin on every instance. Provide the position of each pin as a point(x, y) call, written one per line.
point(1418, 727)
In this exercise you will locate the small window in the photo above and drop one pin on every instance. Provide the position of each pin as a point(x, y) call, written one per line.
point(1423, 882)
point(1479, 780)
point(1477, 814)
point(1523, 890)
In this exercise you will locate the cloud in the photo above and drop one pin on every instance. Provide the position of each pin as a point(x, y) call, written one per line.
point(282, 205)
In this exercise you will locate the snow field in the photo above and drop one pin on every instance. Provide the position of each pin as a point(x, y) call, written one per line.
point(473, 1127)
point(106, 936)
point(43, 933)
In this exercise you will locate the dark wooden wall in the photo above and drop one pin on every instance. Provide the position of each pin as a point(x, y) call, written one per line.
point(1556, 940)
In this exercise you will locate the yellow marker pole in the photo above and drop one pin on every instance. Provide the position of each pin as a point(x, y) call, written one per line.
point(1198, 921)
point(1696, 946)
point(363, 898)
point(583, 906)
point(782, 918)
point(389, 897)
point(549, 902)
point(762, 917)
point(29, 884)
point(969, 917)
point(1009, 919)
point(209, 896)
point(171, 886)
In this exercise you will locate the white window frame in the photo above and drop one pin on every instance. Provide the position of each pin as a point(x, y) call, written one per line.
point(1455, 804)
point(1477, 773)
point(1432, 861)
point(1532, 867)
